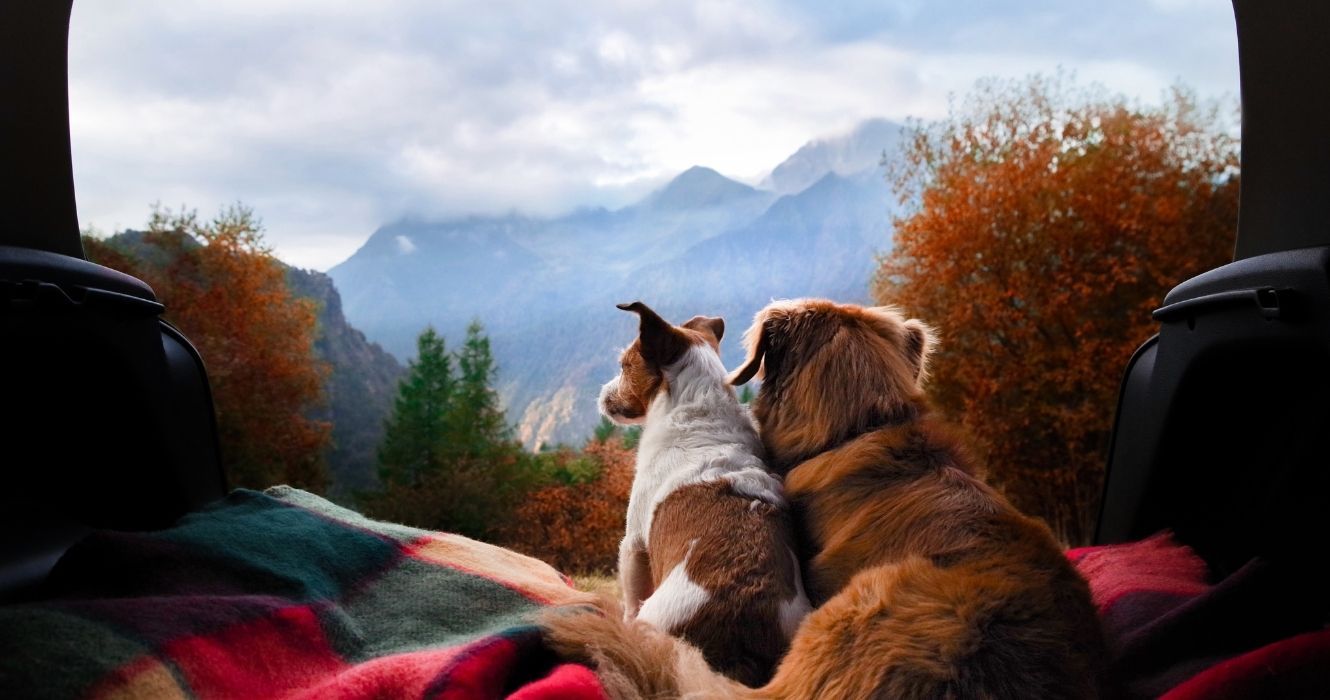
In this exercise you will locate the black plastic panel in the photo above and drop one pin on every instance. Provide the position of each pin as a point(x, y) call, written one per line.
point(1223, 428)
point(37, 192)
point(106, 413)
point(1284, 57)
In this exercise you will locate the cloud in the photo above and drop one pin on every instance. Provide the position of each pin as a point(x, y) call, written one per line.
point(405, 246)
point(333, 117)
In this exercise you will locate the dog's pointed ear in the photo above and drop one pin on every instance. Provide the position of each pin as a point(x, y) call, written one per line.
point(757, 350)
point(661, 343)
point(707, 324)
point(920, 341)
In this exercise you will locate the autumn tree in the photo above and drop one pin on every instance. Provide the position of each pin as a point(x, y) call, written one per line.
point(605, 430)
point(1041, 226)
point(576, 519)
point(224, 289)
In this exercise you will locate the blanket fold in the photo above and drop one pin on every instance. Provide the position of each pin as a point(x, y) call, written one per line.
point(1259, 632)
point(283, 594)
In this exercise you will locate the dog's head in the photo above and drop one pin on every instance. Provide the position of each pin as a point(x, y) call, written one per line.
point(642, 367)
point(830, 372)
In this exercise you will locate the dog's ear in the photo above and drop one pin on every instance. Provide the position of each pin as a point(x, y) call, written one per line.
point(661, 343)
point(757, 350)
point(920, 341)
point(707, 324)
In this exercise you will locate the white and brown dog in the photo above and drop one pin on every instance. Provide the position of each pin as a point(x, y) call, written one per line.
point(708, 550)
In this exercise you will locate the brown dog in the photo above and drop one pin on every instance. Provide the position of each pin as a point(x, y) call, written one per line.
point(930, 584)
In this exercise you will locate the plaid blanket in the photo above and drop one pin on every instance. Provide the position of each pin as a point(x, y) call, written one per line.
point(283, 594)
point(1259, 633)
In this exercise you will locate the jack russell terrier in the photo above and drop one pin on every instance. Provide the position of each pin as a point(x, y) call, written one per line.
point(708, 552)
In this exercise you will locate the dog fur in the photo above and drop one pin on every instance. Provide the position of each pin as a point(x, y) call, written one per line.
point(930, 583)
point(708, 550)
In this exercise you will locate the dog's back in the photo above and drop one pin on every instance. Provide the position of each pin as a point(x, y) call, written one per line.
point(968, 597)
point(931, 583)
point(708, 549)
point(730, 582)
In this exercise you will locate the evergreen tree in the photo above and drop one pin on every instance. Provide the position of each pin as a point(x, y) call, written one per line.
point(418, 432)
point(476, 423)
point(606, 430)
point(746, 396)
point(447, 461)
point(631, 435)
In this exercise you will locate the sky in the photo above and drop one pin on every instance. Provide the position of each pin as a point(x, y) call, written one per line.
point(332, 117)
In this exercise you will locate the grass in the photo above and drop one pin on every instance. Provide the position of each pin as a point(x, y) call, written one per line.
point(597, 583)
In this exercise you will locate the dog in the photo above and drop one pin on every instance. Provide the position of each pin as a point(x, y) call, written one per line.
point(929, 583)
point(708, 549)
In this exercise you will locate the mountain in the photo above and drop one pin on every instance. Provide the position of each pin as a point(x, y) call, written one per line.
point(821, 242)
point(545, 289)
point(500, 269)
point(360, 388)
point(858, 150)
point(699, 187)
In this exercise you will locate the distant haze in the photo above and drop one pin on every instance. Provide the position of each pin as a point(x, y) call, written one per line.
point(545, 288)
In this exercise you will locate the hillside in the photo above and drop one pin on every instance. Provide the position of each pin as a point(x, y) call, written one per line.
point(362, 379)
point(546, 288)
point(360, 387)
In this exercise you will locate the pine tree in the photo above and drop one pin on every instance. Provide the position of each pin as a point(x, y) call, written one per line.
point(447, 460)
point(417, 437)
point(476, 422)
point(606, 430)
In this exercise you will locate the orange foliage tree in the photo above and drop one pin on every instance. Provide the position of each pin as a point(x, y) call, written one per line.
point(576, 525)
point(224, 289)
point(1041, 227)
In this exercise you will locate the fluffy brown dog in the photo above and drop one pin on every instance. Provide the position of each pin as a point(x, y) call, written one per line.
point(930, 584)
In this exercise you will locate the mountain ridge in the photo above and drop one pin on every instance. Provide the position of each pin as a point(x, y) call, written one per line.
point(702, 243)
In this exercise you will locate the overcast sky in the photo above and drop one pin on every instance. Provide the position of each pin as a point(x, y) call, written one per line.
point(332, 117)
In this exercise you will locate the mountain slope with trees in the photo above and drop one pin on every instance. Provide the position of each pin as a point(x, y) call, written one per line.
point(223, 288)
point(358, 390)
point(358, 380)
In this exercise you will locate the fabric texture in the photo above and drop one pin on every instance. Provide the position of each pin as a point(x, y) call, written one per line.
point(283, 594)
point(1258, 633)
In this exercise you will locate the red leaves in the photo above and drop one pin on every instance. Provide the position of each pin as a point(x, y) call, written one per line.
point(577, 527)
point(224, 290)
point(1043, 225)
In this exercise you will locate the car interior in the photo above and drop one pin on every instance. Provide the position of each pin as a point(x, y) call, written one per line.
point(1222, 429)
point(108, 421)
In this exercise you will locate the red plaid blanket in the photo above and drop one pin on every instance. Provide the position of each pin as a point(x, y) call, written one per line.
point(282, 594)
point(1258, 633)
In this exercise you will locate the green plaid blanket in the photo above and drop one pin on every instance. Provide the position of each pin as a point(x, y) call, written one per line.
point(283, 594)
